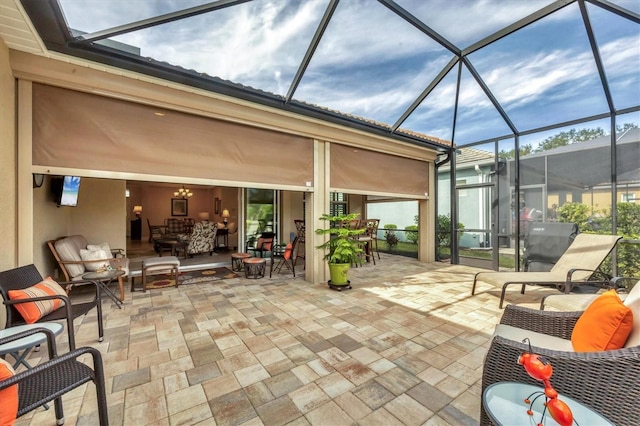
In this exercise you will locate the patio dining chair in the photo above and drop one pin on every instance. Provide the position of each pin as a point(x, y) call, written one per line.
point(284, 256)
point(575, 267)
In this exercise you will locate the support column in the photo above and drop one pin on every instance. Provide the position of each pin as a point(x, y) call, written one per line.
point(318, 203)
point(24, 174)
point(427, 221)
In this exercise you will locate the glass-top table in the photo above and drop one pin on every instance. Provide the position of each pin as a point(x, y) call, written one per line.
point(504, 404)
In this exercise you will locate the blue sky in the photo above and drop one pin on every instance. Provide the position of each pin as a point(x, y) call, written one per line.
point(372, 64)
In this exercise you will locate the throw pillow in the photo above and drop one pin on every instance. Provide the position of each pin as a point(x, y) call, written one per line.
point(288, 250)
point(33, 311)
point(604, 325)
point(97, 260)
point(8, 396)
point(101, 246)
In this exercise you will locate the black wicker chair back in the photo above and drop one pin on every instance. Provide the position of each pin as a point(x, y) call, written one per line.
point(26, 276)
point(50, 380)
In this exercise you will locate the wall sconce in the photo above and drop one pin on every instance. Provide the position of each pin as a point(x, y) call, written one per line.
point(138, 211)
point(38, 180)
point(225, 216)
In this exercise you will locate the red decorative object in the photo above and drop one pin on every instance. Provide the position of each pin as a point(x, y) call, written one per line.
point(540, 369)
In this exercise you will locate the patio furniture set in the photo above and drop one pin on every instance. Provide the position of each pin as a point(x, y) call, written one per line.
point(594, 351)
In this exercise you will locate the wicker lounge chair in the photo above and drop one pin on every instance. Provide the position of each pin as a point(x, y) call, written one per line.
point(60, 374)
point(606, 381)
point(26, 276)
point(575, 267)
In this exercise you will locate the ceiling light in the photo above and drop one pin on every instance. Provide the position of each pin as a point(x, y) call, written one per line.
point(183, 193)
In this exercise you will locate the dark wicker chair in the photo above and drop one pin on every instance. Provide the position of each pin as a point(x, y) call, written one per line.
point(60, 374)
point(26, 276)
point(605, 381)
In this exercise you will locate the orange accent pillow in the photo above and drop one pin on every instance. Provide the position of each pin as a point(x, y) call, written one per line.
point(8, 396)
point(288, 250)
point(604, 325)
point(33, 311)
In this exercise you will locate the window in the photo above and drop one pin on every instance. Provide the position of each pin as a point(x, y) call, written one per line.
point(338, 203)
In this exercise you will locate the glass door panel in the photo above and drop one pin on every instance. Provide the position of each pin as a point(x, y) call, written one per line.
point(261, 212)
point(475, 223)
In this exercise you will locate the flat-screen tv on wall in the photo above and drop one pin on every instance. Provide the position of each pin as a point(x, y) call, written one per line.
point(65, 190)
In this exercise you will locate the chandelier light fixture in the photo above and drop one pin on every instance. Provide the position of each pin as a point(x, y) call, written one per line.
point(183, 193)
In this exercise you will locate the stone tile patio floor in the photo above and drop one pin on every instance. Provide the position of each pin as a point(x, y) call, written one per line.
point(405, 346)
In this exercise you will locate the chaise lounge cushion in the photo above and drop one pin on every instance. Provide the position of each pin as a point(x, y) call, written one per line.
point(604, 325)
point(539, 340)
point(632, 301)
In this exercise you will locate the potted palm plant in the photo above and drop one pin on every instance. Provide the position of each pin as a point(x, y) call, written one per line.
point(342, 248)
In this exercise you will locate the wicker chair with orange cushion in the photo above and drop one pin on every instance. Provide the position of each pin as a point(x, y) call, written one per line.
point(25, 391)
point(28, 298)
point(595, 354)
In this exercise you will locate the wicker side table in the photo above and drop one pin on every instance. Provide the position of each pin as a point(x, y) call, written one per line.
point(236, 261)
point(254, 267)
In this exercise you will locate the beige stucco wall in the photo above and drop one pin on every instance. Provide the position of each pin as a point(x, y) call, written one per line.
point(100, 216)
point(8, 252)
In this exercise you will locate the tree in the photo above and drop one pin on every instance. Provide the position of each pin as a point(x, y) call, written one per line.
point(508, 155)
point(563, 139)
point(569, 137)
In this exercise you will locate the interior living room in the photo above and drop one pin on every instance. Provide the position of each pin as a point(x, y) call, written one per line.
point(168, 168)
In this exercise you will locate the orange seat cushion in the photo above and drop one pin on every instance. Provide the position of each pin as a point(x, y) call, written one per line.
point(604, 325)
point(8, 396)
point(33, 311)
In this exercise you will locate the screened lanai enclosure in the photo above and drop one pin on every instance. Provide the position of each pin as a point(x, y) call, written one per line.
point(534, 106)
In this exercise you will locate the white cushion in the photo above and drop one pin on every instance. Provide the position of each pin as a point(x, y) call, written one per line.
point(101, 246)
point(538, 340)
point(633, 301)
point(98, 255)
point(68, 251)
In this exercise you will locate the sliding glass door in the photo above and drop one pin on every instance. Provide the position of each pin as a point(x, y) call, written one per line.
point(261, 212)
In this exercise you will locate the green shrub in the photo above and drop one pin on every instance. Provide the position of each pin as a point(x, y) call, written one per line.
point(412, 233)
point(390, 235)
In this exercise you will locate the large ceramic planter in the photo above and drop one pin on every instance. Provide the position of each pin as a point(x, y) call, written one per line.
point(339, 273)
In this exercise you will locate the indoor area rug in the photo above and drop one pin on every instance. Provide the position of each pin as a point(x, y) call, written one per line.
point(190, 277)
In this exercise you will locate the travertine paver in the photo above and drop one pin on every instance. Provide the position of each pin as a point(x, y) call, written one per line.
point(404, 346)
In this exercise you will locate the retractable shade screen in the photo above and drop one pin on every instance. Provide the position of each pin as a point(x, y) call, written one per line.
point(358, 170)
point(83, 131)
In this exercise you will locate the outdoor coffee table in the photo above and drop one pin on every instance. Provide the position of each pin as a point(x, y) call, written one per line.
point(175, 245)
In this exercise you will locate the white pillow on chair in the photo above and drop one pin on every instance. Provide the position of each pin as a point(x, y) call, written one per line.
point(88, 255)
point(101, 246)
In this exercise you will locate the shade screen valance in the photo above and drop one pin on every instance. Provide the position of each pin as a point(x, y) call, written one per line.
point(363, 171)
point(78, 130)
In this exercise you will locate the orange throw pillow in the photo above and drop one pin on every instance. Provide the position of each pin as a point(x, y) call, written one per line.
point(604, 325)
point(8, 396)
point(33, 311)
